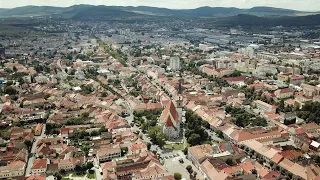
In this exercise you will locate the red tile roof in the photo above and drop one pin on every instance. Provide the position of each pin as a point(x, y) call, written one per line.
point(291, 154)
point(37, 177)
point(235, 79)
point(283, 91)
point(39, 164)
point(38, 129)
point(300, 131)
point(165, 116)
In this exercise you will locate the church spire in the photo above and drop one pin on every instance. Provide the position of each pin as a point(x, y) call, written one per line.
point(180, 87)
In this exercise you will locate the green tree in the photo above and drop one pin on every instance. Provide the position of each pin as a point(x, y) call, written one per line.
point(161, 139)
point(194, 139)
point(177, 176)
point(124, 151)
point(157, 136)
point(229, 162)
point(58, 176)
point(185, 151)
point(62, 171)
point(9, 83)
point(78, 168)
point(69, 56)
point(104, 94)
point(102, 129)
point(148, 146)
point(85, 115)
point(10, 90)
point(14, 69)
point(189, 168)
point(89, 165)
point(219, 133)
point(94, 133)
point(195, 174)
point(28, 143)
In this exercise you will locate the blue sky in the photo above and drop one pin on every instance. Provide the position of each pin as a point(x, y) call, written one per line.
point(306, 5)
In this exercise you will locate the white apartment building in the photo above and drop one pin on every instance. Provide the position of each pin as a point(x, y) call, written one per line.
point(174, 63)
point(264, 107)
point(13, 169)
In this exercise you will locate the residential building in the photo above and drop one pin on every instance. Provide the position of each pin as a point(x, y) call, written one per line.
point(264, 107)
point(174, 63)
point(37, 177)
point(284, 93)
point(108, 153)
point(154, 170)
point(220, 72)
point(284, 77)
point(39, 166)
point(238, 81)
point(269, 154)
point(69, 163)
point(309, 90)
point(225, 64)
point(13, 169)
point(223, 151)
point(297, 79)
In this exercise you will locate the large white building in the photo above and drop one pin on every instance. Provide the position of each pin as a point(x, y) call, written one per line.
point(264, 107)
point(13, 169)
point(174, 63)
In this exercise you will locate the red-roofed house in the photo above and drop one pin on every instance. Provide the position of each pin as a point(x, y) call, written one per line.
point(220, 72)
point(170, 120)
point(297, 79)
point(138, 148)
point(39, 166)
point(284, 93)
point(284, 76)
point(37, 177)
point(236, 80)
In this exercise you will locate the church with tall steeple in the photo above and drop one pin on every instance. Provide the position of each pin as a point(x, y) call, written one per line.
point(170, 121)
point(172, 115)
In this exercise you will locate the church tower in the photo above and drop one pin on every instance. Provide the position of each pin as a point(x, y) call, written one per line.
point(179, 100)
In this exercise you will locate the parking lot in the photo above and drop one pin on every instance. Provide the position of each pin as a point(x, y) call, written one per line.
point(173, 163)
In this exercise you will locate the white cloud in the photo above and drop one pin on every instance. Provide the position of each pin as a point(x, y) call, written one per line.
point(307, 5)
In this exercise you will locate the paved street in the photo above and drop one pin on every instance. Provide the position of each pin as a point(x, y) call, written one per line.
point(97, 169)
point(33, 151)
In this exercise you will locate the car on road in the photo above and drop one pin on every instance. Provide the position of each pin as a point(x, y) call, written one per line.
point(181, 161)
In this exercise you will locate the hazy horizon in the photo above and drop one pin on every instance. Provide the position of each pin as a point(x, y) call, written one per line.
point(307, 5)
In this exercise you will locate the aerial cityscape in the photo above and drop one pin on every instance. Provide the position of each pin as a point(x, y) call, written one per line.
point(130, 92)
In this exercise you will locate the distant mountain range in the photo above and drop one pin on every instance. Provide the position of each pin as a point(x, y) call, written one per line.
point(218, 15)
point(198, 12)
point(250, 20)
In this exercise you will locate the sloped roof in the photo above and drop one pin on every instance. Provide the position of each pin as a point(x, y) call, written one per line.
point(39, 164)
point(165, 116)
point(37, 177)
